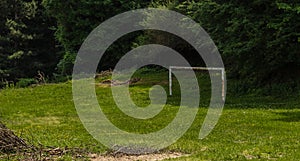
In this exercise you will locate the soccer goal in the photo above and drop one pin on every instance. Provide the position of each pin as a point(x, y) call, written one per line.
point(221, 70)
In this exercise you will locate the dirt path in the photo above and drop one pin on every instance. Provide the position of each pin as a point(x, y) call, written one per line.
point(148, 157)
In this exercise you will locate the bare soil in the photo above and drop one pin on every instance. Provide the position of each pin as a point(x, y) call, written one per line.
point(145, 157)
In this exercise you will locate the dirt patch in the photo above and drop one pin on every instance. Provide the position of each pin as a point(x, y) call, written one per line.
point(144, 157)
point(109, 82)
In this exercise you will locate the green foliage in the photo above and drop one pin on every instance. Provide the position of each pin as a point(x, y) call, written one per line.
point(258, 39)
point(26, 42)
point(58, 78)
point(150, 69)
point(76, 19)
point(65, 65)
point(25, 82)
point(281, 90)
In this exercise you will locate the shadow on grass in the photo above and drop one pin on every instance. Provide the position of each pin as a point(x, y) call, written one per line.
point(260, 103)
point(289, 116)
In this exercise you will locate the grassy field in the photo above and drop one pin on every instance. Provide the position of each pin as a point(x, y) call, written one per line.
point(257, 128)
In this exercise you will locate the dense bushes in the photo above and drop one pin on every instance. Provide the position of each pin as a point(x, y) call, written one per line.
point(27, 44)
point(76, 19)
point(259, 40)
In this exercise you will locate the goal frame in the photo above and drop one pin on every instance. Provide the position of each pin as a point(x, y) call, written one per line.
point(222, 70)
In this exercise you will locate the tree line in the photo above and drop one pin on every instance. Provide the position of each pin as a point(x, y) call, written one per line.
point(259, 40)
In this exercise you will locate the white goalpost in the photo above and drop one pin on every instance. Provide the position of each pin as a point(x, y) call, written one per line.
point(222, 70)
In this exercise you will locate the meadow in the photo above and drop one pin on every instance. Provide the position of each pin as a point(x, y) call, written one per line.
point(250, 127)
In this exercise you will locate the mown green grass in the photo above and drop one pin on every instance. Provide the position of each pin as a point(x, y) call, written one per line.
point(259, 128)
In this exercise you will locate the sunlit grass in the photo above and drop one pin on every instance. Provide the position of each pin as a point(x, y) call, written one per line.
point(249, 128)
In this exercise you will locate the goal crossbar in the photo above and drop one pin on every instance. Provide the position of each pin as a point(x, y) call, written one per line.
point(222, 70)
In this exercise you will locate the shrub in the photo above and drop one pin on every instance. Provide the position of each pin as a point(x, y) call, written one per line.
point(25, 82)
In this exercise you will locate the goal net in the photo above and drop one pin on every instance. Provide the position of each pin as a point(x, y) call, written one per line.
point(221, 72)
